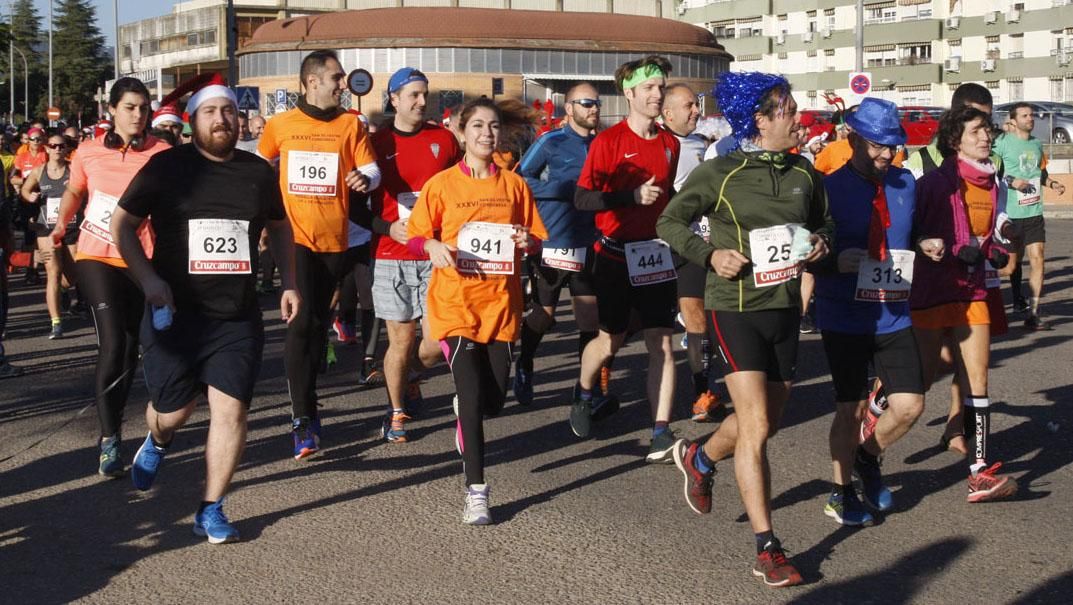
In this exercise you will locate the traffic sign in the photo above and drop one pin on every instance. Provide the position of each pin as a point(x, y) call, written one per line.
point(360, 82)
point(281, 96)
point(54, 113)
point(248, 97)
point(860, 82)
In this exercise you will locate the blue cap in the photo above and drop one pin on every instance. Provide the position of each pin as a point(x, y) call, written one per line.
point(403, 77)
point(877, 120)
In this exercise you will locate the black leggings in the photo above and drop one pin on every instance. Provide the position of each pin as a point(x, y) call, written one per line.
point(316, 275)
point(357, 288)
point(480, 372)
point(117, 305)
point(4, 300)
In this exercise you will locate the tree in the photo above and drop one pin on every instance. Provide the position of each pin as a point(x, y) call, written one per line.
point(25, 28)
point(79, 60)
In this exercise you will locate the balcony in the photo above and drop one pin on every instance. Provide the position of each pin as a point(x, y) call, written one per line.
point(721, 11)
point(750, 45)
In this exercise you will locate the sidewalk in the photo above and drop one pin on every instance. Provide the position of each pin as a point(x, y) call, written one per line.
point(1053, 211)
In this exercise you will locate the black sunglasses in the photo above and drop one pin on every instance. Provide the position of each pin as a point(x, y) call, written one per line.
point(56, 145)
point(587, 103)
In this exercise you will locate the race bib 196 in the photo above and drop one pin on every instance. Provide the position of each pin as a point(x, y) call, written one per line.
point(406, 202)
point(888, 280)
point(52, 210)
point(649, 262)
point(219, 247)
point(485, 249)
point(773, 261)
point(312, 173)
point(1027, 199)
point(99, 211)
point(567, 259)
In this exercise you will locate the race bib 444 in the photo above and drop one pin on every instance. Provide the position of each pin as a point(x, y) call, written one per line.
point(649, 262)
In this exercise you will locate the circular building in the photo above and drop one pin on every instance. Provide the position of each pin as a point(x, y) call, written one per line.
point(473, 52)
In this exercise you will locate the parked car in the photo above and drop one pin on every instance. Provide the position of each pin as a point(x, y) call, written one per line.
point(920, 123)
point(1054, 121)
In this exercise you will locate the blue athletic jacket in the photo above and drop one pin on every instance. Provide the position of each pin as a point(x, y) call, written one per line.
point(551, 167)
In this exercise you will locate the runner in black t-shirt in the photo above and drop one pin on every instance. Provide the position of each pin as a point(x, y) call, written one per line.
point(207, 204)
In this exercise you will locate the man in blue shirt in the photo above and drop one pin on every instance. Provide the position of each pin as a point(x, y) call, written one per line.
point(551, 167)
point(862, 308)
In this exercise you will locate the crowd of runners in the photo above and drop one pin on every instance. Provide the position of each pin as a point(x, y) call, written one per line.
point(166, 225)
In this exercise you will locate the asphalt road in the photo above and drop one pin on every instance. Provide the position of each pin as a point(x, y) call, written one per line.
point(576, 521)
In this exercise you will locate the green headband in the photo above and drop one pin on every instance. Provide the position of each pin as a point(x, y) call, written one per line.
point(645, 72)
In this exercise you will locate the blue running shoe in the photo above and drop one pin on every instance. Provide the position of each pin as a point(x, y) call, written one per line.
point(146, 463)
point(847, 510)
point(874, 493)
point(212, 523)
point(393, 428)
point(306, 435)
point(523, 386)
point(111, 463)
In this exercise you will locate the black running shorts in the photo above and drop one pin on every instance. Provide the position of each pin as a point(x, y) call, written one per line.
point(655, 304)
point(757, 341)
point(894, 355)
point(548, 282)
point(197, 352)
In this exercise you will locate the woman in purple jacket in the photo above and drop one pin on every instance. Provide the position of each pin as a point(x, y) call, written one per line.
point(958, 209)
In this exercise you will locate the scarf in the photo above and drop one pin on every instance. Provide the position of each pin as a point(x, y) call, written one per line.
point(981, 174)
point(324, 115)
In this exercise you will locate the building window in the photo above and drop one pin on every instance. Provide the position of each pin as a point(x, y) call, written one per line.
point(1017, 90)
point(1015, 46)
point(126, 51)
point(1056, 88)
point(915, 54)
point(884, 13)
point(1069, 90)
point(450, 99)
point(994, 47)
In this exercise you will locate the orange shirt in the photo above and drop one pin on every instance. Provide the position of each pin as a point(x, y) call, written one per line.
point(978, 203)
point(483, 307)
point(314, 159)
point(25, 162)
point(103, 174)
point(835, 156)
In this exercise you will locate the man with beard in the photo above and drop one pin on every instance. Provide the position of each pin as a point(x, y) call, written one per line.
point(207, 203)
point(551, 168)
point(324, 153)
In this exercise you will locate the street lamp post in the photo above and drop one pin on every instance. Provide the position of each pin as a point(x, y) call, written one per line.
point(115, 42)
point(50, 53)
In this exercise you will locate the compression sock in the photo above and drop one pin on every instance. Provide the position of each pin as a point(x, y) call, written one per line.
point(981, 411)
point(703, 463)
point(765, 539)
point(1015, 284)
point(368, 326)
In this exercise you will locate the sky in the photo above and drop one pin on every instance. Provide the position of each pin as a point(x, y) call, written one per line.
point(129, 11)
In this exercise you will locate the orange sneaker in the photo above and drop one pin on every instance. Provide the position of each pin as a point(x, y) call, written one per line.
point(986, 485)
point(705, 404)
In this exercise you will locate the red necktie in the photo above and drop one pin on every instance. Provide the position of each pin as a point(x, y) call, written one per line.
point(877, 229)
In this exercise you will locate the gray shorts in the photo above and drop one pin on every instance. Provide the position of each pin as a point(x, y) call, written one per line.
point(400, 288)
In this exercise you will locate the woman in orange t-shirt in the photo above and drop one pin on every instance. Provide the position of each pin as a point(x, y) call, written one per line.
point(473, 220)
point(100, 173)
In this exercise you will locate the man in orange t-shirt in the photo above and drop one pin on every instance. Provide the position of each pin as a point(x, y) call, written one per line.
point(323, 154)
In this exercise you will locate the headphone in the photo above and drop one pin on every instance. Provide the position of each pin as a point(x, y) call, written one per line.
point(114, 141)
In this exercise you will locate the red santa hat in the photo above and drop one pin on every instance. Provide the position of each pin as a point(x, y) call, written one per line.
point(204, 87)
point(167, 113)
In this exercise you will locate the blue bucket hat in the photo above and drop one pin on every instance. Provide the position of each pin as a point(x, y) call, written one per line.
point(877, 120)
point(403, 77)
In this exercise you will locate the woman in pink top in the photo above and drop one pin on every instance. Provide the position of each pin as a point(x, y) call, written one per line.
point(100, 172)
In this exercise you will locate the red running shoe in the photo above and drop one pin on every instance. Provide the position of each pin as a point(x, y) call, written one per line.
point(698, 485)
point(776, 570)
point(985, 485)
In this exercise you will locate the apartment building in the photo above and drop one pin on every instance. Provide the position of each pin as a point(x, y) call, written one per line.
point(192, 38)
point(918, 51)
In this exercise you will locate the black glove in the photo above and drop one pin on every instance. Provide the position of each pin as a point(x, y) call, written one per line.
point(1012, 231)
point(999, 258)
point(970, 255)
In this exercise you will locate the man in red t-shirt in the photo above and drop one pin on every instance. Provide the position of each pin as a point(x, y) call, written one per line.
point(410, 153)
point(627, 179)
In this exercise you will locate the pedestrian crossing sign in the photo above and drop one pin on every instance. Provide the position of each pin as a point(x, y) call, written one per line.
point(248, 97)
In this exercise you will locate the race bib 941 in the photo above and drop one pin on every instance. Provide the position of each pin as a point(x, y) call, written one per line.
point(312, 173)
point(219, 247)
point(485, 248)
